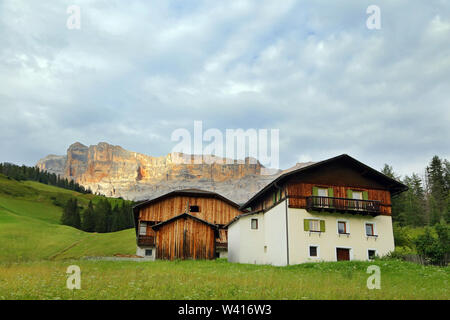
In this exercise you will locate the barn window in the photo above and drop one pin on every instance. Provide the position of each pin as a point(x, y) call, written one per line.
point(143, 228)
point(148, 252)
point(254, 224)
point(371, 254)
point(194, 209)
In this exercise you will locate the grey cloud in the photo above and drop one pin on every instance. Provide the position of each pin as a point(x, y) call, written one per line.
point(136, 71)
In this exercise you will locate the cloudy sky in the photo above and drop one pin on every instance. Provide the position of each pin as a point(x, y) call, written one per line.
point(138, 70)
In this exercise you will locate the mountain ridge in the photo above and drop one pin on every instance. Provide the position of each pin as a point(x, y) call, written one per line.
point(115, 172)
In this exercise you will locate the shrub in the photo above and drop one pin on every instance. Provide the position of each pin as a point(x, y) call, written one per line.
point(434, 249)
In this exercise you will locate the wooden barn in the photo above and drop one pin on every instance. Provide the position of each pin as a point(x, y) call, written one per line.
point(184, 224)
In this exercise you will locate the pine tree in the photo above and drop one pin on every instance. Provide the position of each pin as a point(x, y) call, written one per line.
point(102, 216)
point(88, 224)
point(66, 218)
point(398, 202)
point(76, 220)
point(437, 190)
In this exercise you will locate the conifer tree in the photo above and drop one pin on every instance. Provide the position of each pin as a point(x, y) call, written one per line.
point(88, 224)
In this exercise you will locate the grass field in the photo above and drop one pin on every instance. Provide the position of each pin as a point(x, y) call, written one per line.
point(35, 251)
point(30, 229)
point(221, 280)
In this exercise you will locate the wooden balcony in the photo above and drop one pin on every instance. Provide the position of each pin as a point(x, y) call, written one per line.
point(146, 241)
point(344, 205)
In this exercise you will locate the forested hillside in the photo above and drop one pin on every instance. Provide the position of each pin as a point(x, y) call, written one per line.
point(427, 202)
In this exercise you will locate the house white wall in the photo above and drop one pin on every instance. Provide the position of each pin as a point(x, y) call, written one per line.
point(268, 244)
point(246, 245)
point(328, 241)
point(275, 235)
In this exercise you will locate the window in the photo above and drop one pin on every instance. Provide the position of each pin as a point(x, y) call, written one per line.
point(371, 254)
point(148, 252)
point(314, 225)
point(357, 195)
point(194, 209)
point(255, 224)
point(322, 192)
point(369, 229)
point(342, 227)
point(313, 251)
point(142, 228)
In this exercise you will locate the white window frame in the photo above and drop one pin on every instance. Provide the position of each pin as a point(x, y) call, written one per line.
point(321, 188)
point(375, 233)
point(368, 249)
point(347, 227)
point(318, 224)
point(317, 249)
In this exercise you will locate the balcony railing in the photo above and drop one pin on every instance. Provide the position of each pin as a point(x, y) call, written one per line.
point(370, 207)
point(146, 240)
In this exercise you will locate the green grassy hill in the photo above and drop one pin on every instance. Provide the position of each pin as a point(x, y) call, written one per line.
point(30, 225)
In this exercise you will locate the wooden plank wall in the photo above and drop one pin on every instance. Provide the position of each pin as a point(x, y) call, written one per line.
point(185, 238)
point(212, 210)
point(266, 201)
point(302, 190)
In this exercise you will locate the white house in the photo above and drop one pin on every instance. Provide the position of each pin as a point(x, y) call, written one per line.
point(337, 209)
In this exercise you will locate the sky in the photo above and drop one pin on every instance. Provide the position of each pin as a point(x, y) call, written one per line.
point(136, 71)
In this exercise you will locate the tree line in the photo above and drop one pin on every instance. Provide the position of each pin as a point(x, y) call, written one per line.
point(427, 202)
point(21, 173)
point(101, 217)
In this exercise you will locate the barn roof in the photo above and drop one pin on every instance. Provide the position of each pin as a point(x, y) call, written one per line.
point(187, 193)
point(183, 215)
point(187, 215)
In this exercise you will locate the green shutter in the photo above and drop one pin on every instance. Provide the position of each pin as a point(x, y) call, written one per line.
point(350, 194)
point(322, 225)
point(315, 191)
point(330, 194)
point(274, 197)
point(279, 195)
point(306, 224)
point(365, 195)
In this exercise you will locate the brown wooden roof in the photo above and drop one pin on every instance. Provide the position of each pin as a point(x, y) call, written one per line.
point(186, 215)
point(392, 185)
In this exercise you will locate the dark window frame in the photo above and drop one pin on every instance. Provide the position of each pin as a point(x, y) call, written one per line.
point(194, 208)
point(316, 248)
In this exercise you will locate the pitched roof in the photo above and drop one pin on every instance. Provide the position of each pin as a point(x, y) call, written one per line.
point(183, 215)
point(188, 193)
point(393, 186)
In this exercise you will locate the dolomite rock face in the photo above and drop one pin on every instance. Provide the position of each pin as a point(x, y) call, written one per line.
point(116, 172)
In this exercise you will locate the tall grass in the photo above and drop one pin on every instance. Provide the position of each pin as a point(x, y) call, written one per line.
point(221, 280)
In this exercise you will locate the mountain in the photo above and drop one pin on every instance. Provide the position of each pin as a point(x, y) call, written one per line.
point(116, 172)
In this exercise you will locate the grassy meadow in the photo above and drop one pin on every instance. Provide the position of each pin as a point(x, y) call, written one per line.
point(35, 251)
